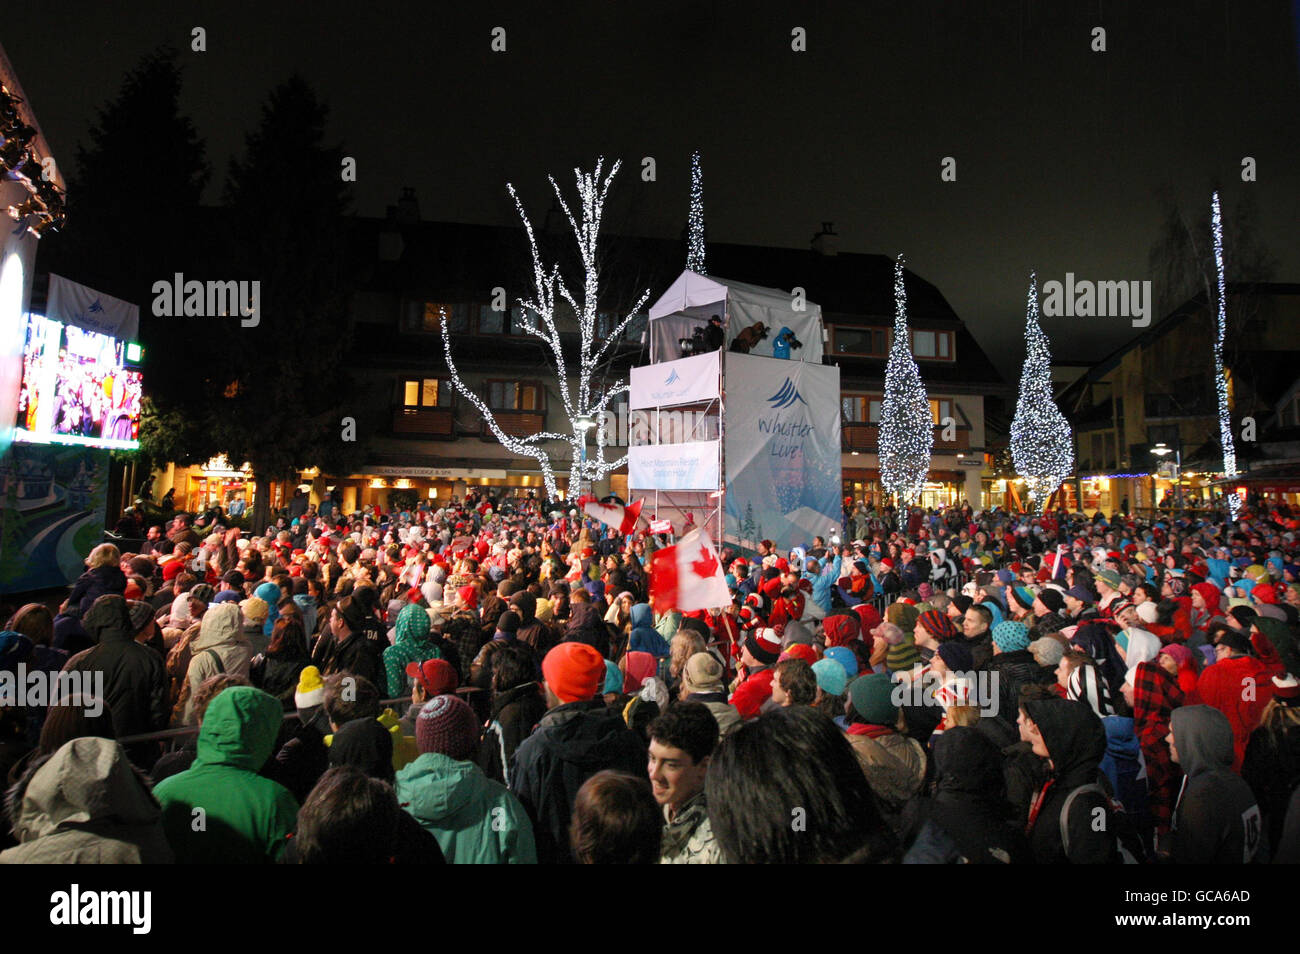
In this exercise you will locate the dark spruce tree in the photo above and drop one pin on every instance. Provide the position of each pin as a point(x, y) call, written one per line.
point(284, 397)
point(134, 219)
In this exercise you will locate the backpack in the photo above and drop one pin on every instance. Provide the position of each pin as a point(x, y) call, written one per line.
point(1128, 844)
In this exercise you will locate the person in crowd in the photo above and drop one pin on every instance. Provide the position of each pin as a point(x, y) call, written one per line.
point(1216, 818)
point(134, 679)
point(577, 737)
point(616, 821)
point(682, 741)
point(349, 818)
point(893, 763)
point(474, 819)
point(518, 704)
point(794, 683)
point(219, 648)
point(220, 810)
point(787, 788)
point(412, 644)
point(85, 803)
point(1061, 827)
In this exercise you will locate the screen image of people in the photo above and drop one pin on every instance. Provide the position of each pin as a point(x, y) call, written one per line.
point(75, 385)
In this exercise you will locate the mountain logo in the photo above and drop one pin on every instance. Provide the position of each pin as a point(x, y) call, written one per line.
point(672, 378)
point(94, 307)
point(787, 396)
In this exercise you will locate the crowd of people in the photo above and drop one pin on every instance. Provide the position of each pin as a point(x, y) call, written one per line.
point(492, 682)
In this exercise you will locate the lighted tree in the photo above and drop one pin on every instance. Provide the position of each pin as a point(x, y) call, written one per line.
point(1220, 379)
point(695, 226)
point(906, 424)
point(1042, 445)
point(554, 306)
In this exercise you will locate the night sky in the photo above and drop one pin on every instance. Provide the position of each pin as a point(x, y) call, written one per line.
point(1064, 156)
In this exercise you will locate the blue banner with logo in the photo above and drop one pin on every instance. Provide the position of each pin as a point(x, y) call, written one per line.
point(782, 445)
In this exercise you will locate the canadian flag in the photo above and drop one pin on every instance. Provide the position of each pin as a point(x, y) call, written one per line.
point(688, 576)
point(623, 519)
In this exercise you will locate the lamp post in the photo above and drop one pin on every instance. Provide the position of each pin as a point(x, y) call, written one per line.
point(1163, 450)
point(584, 423)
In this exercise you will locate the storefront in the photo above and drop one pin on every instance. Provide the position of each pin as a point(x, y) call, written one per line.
point(944, 488)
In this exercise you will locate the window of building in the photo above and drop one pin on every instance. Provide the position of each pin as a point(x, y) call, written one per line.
point(457, 317)
point(941, 408)
point(860, 409)
point(514, 396)
point(490, 321)
point(427, 392)
point(867, 342)
point(935, 345)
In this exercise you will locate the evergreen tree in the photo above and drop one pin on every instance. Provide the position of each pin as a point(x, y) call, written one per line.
point(283, 394)
point(1042, 445)
point(906, 424)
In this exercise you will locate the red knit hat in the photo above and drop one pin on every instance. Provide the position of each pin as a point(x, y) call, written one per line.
point(1210, 593)
point(764, 645)
point(574, 671)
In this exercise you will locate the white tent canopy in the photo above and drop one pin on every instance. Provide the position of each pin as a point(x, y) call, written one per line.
point(692, 299)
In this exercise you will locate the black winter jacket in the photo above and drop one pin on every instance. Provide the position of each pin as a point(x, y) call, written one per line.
point(572, 742)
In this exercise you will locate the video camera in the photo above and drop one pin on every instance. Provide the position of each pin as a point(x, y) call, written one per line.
point(696, 343)
point(791, 340)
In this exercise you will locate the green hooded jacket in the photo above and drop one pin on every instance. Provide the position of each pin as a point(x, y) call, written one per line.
point(220, 811)
point(476, 820)
point(411, 644)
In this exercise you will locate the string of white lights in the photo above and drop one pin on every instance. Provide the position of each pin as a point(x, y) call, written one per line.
point(1221, 379)
point(695, 226)
point(906, 423)
point(1042, 444)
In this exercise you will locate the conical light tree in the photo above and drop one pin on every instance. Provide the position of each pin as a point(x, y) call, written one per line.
point(1220, 379)
point(1042, 444)
point(695, 226)
point(906, 424)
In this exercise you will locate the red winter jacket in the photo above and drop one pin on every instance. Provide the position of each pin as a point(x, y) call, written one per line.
point(1239, 687)
point(753, 692)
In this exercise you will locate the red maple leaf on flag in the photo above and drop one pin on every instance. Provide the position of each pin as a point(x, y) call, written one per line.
point(705, 567)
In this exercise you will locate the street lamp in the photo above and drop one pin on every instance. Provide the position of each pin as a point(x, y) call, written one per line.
point(1163, 450)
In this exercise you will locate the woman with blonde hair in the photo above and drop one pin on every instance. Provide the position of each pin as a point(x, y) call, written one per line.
point(103, 576)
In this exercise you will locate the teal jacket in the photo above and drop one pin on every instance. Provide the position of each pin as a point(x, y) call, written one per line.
point(476, 820)
point(220, 811)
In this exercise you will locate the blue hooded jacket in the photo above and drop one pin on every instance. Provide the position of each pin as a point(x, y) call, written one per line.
point(645, 638)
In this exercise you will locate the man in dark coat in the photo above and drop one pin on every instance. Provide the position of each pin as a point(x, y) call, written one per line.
point(1073, 739)
point(577, 738)
point(134, 676)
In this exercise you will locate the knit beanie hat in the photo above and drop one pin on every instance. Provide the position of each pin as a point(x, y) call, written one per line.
point(1011, 636)
point(141, 614)
point(956, 655)
point(1052, 599)
point(508, 623)
point(254, 609)
point(1147, 612)
point(574, 672)
point(831, 677)
point(1109, 577)
point(872, 699)
point(902, 615)
point(202, 592)
point(311, 689)
point(1021, 595)
point(904, 655)
point(447, 724)
point(613, 678)
point(938, 625)
point(846, 658)
point(703, 673)
point(1048, 651)
point(764, 645)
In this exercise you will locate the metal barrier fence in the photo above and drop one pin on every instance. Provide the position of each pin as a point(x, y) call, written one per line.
point(172, 737)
